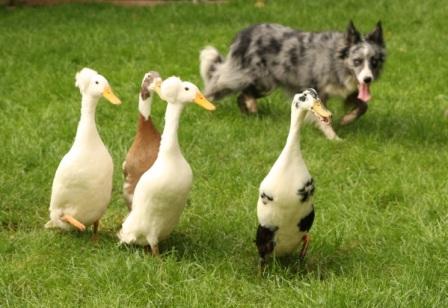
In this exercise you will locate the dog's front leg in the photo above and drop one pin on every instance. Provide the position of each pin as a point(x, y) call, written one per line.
point(247, 100)
point(360, 108)
point(247, 103)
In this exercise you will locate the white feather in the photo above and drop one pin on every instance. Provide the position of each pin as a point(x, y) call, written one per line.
point(82, 184)
point(288, 174)
point(161, 193)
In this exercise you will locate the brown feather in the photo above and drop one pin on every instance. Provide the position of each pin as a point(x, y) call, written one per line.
point(141, 155)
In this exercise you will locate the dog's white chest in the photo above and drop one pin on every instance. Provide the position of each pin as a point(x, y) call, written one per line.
point(344, 90)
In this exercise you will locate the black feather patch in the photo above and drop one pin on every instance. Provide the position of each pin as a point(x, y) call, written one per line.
point(265, 240)
point(144, 92)
point(266, 198)
point(306, 222)
point(306, 191)
point(313, 93)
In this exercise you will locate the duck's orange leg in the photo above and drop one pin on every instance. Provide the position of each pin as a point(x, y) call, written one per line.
point(96, 224)
point(75, 223)
point(306, 242)
point(155, 250)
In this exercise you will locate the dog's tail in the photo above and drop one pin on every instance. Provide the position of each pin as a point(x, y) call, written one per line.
point(210, 59)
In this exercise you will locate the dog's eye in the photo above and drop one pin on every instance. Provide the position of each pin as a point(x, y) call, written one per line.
point(374, 62)
point(357, 62)
point(302, 98)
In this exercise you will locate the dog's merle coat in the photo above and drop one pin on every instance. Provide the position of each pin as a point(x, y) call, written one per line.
point(266, 56)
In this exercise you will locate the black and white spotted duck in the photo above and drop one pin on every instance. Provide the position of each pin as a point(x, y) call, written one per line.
point(285, 207)
point(143, 151)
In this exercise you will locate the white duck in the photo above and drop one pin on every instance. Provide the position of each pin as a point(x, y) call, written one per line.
point(161, 193)
point(285, 209)
point(82, 185)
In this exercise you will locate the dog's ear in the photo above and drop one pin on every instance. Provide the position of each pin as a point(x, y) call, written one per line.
point(376, 36)
point(352, 36)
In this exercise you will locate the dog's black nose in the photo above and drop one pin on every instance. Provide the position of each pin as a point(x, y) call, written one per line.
point(368, 80)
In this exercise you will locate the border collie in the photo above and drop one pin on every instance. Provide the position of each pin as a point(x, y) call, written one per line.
point(266, 56)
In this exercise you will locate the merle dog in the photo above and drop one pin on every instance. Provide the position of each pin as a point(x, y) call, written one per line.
point(265, 56)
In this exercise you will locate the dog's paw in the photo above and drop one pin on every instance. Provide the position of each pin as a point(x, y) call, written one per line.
point(336, 138)
point(331, 135)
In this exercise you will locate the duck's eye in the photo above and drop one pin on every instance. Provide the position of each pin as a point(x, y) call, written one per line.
point(302, 98)
point(97, 82)
point(187, 88)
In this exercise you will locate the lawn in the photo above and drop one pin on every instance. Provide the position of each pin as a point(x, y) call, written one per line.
point(380, 234)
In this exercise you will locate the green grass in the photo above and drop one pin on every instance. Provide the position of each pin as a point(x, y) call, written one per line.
point(380, 234)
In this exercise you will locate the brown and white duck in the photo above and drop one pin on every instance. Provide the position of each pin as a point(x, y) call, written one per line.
point(143, 151)
point(162, 192)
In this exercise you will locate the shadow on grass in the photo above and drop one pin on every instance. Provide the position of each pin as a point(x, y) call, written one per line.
point(235, 255)
point(178, 245)
point(267, 109)
point(103, 237)
point(399, 129)
point(330, 261)
point(327, 259)
point(404, 129)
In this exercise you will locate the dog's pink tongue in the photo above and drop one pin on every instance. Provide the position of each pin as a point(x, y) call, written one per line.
point(364, 92)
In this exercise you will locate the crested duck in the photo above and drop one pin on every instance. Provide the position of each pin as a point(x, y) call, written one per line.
point(82, 185)
point(143, 151)
point(285, 207)
point(161, 193)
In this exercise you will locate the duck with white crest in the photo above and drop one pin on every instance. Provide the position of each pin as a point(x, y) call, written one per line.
point(285, 207)
point(161, 193)
point(143, 151)
point(82, 185)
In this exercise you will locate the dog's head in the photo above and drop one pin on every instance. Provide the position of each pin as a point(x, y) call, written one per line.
point(364, 56)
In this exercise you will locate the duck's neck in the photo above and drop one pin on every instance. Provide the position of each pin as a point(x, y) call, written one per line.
point(145, 125)
point(87, 131)
point(144, 106)
point(146, 128)
point(169, 143)
point(292, 146)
